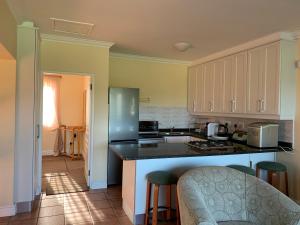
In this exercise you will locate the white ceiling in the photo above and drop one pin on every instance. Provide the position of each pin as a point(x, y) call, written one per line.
point(151, 27)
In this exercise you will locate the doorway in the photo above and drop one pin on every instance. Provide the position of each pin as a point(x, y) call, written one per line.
point(66, 132)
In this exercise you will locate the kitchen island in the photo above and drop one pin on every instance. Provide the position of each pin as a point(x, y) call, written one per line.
point(141, 159)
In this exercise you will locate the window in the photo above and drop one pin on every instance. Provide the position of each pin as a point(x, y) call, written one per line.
point(50, 102)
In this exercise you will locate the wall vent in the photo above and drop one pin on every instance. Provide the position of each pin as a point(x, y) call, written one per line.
point(71, 27)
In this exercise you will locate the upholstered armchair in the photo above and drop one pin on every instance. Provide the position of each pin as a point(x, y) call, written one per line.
point(225, 196)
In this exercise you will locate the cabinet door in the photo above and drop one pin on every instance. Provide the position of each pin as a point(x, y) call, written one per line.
point(200, 90)
point(255, 68)
point(208, 87)
point(218, 86)
point(192, 87)
point(240, 83)
point(270, 80)
point(229, 83)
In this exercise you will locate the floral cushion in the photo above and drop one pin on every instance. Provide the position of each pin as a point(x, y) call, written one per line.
point(208, 195)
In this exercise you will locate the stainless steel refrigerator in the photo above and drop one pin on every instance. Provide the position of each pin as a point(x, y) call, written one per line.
point(123, 126)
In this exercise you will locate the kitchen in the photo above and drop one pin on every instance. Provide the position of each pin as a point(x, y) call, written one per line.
point(223, 103)
point(195, 91)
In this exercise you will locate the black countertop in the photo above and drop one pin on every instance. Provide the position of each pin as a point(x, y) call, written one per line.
point(128, 151)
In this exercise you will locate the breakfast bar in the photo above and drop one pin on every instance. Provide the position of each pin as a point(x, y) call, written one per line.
point(141, 159)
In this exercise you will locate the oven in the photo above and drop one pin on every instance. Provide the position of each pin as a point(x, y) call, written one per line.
point(149, 133)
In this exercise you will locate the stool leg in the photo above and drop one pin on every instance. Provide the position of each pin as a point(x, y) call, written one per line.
point(177, 209)
point(148, 201)
point(155, 204)
point(257, 172)
point(286, 183)
point(168, 193)
point(270, 177)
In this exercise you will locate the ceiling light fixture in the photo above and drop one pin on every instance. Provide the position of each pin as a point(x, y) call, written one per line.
point(182, 46)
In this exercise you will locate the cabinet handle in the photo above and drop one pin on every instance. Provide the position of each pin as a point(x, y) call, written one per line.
point(194, 106)
point(210, 106)
point(262, 102)
point(233, 105)
point(259, 105)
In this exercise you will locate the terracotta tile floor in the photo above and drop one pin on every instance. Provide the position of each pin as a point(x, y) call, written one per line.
point(63, 175)
point(97, 207)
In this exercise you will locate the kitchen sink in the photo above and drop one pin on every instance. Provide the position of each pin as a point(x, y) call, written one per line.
point(174, 133)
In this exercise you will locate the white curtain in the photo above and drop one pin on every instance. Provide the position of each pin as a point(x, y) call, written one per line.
point(51, 109)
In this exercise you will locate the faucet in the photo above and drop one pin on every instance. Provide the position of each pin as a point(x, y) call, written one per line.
point(172, 129)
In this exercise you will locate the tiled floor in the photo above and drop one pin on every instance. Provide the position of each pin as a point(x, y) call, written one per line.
point(101, 207)
point(63, 175)
point(97, 207)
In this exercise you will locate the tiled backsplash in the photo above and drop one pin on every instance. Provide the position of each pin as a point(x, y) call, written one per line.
point(285, 126)
point(167, 117)
point(178, 117)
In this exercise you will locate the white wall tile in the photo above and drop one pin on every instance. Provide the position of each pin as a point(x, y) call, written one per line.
point(168, 117)
point(285, 126)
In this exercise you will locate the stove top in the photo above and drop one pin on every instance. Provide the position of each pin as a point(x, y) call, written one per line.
point(210, 144)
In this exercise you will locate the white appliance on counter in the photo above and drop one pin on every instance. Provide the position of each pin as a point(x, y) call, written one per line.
point(263, 135)
point(212, 132)
point(212, 129)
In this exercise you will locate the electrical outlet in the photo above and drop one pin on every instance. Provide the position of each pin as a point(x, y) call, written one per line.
point(228, 123)
point(240, 126)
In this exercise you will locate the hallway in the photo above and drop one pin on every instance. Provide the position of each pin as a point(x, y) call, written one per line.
point(62, 175)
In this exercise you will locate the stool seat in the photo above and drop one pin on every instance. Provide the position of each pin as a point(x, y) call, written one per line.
point(244, 169)
point(157, 179)
point(162, 178)
point(271, 166)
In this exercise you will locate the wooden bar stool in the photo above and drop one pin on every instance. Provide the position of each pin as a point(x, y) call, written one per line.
point(159, 178)
point(245, 169)
point(273, 168)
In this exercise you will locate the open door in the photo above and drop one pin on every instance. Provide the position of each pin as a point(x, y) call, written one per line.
point(87, 137)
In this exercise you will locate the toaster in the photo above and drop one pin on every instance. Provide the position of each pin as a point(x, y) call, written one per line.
point(263, 135)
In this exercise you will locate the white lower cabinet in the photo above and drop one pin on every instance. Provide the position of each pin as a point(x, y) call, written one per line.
point(255, 83)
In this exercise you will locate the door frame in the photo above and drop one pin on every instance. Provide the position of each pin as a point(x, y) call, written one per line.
point(91, 122)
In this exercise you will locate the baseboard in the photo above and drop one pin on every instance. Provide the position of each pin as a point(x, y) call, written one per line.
point(48, 152)
point(9, 210)
point(22, 207)
point(98, 184)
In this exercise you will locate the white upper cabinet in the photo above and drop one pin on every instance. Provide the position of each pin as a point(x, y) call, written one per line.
point(192, 89)
point(263, 80)
point(254, 83)
point(200, 89)
point(240, 83)
point(235, 81)
point(218, 86)
point(208, 81)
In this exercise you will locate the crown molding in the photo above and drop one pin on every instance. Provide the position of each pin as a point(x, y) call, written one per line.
point(289, 36)
point(148, 58)
point(73, 40)
point(28, 25)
